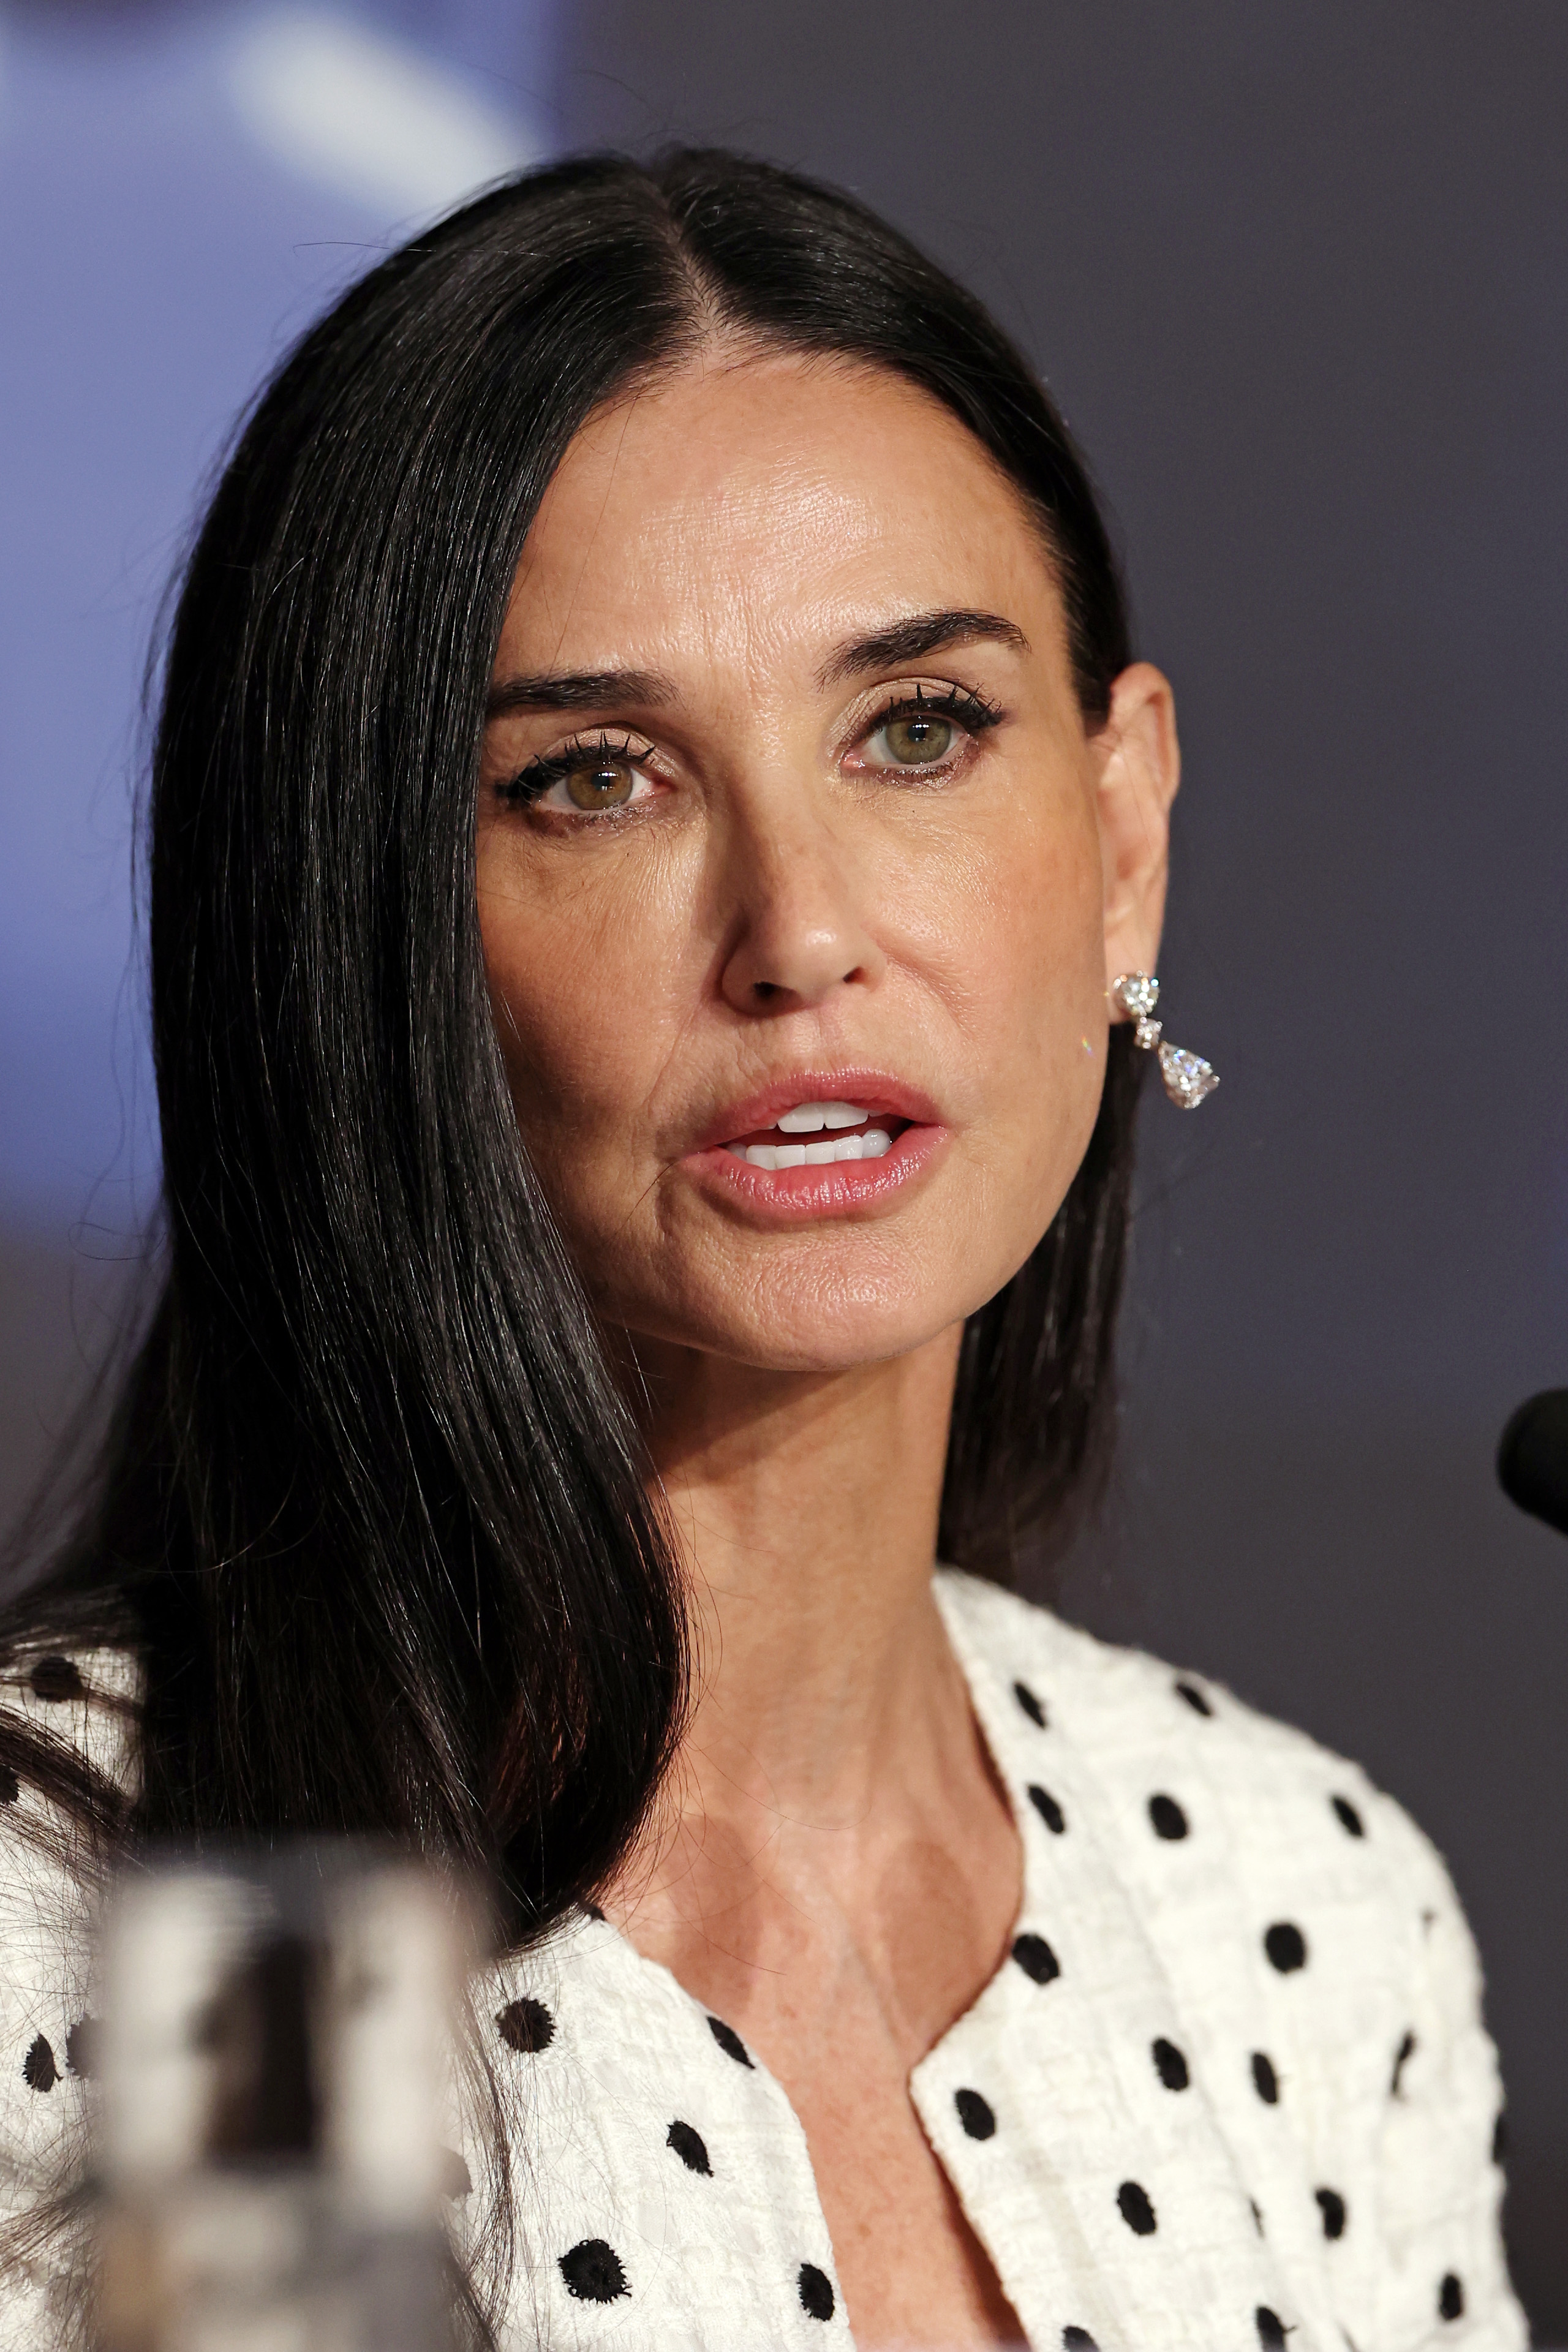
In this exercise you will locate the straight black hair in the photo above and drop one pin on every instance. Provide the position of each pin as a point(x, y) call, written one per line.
point(372, 1511)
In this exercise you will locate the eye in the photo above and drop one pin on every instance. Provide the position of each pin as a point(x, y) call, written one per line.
point(597, 783)
point(918, 740)
point(584, 780)
point(919, 734)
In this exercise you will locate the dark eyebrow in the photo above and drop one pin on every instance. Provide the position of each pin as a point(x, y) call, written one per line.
point(582, 689)
point(904, 642)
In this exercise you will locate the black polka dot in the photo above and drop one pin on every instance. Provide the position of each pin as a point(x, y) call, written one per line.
point(1499, 2140)
point(1077, 2339)
point(690, 2147)
point(815, 2291)
point(1257, 2215)
point(1133, 2201)
point(1035, 1957)
point(1451, 2297)
point(1271, 2329)
point(82, 2049)
point(1196, 1699)
point(525, 2025)
point(1045, 1805)
point(1170, 2065)
point(1349, 1819)
point(457, 2180)
point(10, 1787)
point(974, 2114)
point(1331, 2205)
point(39, 2069)
point(1286, 1946)
point(1402, 2057)
point(593, 2271)
point(1030, 1704)
point(55, 1678)
point(1167, 1817)
point(1265, 2081)
point(729, 2042)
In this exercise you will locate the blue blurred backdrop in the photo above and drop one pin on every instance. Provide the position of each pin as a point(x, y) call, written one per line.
point(181, 189)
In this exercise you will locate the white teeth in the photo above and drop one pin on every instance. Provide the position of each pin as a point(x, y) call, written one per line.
point(771, 1156)
point(810, 1119)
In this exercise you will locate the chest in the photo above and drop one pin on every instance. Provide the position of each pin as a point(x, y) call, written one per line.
point(911, 2266)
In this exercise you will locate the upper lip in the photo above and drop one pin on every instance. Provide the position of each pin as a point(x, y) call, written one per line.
point(870, 1090)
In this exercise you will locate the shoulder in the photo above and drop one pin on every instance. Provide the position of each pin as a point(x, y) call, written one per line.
point(83, 1702)
point(1229, 1829)
point(67, 1769)
point(1130, 1714)
point(1305, 1939)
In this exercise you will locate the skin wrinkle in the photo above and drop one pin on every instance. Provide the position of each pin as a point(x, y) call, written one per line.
point(833, 1866)
point(628, 412)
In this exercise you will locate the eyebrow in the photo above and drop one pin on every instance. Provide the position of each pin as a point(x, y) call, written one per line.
point(922, 634)
point(581, 689)
point(622, 689)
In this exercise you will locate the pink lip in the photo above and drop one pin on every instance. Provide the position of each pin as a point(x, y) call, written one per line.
point(871, 1090)
point(796, 1195)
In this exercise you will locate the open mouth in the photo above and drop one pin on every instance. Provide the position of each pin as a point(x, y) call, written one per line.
point(820, 1143)
point(819, 1135)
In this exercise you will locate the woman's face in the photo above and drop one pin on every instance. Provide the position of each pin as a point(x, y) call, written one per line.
point(800, 883)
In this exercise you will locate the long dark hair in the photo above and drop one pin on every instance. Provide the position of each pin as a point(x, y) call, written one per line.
point(371, 1508)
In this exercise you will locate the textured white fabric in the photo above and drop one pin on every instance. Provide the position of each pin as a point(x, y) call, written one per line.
point(1231, 2090)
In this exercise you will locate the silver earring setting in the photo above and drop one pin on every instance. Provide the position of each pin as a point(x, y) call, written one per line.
point(1189, 1079)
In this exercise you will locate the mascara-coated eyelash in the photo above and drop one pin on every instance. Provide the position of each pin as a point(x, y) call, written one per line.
point(538, 776)
point(961, 703)
point(938, 736)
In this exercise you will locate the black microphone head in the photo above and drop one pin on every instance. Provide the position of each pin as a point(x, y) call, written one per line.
point(1532, 1458)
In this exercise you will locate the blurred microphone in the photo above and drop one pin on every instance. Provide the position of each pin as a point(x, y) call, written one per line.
point(274, 2042)
point(1532, 1458)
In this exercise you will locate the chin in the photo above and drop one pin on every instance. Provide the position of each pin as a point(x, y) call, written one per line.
point(792, 1317)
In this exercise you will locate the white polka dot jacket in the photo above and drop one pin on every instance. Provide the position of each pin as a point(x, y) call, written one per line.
point(1229, 2090)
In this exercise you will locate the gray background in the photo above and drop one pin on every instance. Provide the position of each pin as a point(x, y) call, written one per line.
point(1298, 274)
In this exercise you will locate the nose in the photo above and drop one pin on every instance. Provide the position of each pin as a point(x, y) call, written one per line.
point(797, 931)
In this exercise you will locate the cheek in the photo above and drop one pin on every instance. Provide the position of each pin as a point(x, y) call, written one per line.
point(1030, 967)
point(1019, 923)
point(572, 987)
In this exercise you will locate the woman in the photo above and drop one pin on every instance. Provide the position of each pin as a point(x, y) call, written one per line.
point(652, 803)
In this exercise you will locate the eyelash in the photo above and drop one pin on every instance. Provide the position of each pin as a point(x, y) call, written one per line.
point(533, 780)
point(962, 704)
point(968, 708)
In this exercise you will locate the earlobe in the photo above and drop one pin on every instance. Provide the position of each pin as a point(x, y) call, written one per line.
point(1140, 768)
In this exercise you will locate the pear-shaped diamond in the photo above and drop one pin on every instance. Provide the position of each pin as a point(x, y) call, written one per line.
point(1137, 992)
point(1188, 1077)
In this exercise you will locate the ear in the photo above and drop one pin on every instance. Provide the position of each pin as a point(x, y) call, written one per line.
point(1139, 765)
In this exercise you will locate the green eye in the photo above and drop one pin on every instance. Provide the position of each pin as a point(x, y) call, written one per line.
point(919, 740)
point(600, 783)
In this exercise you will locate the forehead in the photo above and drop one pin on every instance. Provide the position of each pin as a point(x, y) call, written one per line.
point(753, 501)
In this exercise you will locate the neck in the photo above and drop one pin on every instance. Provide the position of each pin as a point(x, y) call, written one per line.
point(832, 1783)
point(806, 1509)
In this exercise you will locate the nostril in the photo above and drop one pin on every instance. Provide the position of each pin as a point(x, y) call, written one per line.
point(763, 989)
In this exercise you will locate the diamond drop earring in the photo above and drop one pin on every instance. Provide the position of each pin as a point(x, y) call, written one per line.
point(1188, 1078)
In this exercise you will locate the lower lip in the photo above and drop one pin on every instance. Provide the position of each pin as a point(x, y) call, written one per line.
point(796, 1195)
